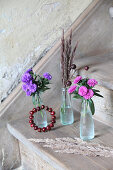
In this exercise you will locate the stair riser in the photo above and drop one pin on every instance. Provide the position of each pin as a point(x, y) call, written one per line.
point(104, 106)
point(31, 161)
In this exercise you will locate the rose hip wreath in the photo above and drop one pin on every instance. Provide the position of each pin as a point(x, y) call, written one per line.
point(44, 129)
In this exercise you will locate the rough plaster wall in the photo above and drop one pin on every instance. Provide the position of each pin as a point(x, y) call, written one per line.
point(27, 29)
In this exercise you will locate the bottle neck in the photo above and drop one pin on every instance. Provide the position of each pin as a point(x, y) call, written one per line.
point(85, 108)
point(66, 98)
point(37, 101)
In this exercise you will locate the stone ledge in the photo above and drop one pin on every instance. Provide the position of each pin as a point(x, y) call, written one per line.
point(39, 152)
point(57, 160)
point(31, 161)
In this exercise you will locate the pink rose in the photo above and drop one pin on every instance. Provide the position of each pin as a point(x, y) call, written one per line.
point(92, 82)
point(89, 94)
point(82, 91)
point(77, 79)
point(72, 89)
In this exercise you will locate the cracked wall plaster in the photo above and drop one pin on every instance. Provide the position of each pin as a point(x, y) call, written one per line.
point(29, 29)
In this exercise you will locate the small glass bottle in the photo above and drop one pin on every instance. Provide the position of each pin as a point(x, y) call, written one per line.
point(40, 117)
point(86, 122)
point(66, 112)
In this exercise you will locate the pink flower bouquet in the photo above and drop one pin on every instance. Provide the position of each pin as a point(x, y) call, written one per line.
point(84, 90)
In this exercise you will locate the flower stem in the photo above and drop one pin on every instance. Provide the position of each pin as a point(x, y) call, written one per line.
point(39, 104)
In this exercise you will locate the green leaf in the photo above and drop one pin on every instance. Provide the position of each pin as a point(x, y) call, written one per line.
point(95, 90)
point(34, 76)
point(77, 89)
point(96, 94)
point(91, 105)
point(77, 96)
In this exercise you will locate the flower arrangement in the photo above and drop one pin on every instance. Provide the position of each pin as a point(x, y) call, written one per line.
point(67, 57)
point(33, 83)
point(84, 90)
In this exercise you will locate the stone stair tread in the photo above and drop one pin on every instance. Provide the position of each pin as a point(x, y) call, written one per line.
point(95, 50)
point(102, 70)
point(21, 130)
point(19, 168)
point(95, 37)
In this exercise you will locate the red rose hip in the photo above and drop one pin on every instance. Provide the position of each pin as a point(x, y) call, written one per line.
point(43, 129)
point(73, 66)
point(69, 83)
point(50, 109)
point(42, 107)
point(36, 127)
point(38, 108)
point(31, 117)
point(30, 121)
point(39, 129)
point(32, 125)
point(46, 107)
point(34, 110)
point(31, 112)
point(48, 128)
point(53, 117)
point(53, 113)
point(86, 68)
point(51, 125)
point(53, 121)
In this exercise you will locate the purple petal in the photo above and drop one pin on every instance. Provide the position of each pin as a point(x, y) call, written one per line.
point(25, 87)
point(47, 76)
point(28, 93)
point(32, 87)
point(26, 78)
point(29, 70)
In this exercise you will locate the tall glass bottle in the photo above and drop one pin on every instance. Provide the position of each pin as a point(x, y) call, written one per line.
point(66, 112)
point(86, 122)
point(40, 117)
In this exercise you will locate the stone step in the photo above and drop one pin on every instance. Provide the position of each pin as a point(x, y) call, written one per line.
point(19, 168)
point(95, 49)
point(95, 37)
point(36, 157)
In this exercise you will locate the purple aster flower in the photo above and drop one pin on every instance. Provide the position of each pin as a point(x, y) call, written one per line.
point(26, 78)
point(25, 87)
point(28, 93)
point(47, 76)
point(77, 79)
point(92, 82)
point(82, 91)
point(72, 89)
point(89, 94)
point(32, 87)
point(29, 70)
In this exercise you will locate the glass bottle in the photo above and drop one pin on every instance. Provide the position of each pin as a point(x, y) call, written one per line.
point(86, 122)
point(66, 112)
point(40, 117)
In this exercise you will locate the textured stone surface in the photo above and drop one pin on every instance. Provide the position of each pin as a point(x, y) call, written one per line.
point(32, 151)
point(9, 150)
point(22, 105)
point(19, 168)
point(104, 106)
point(26, 30)
point(30, 161)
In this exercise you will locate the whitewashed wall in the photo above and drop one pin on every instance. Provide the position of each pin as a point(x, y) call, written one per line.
point(27, 28)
